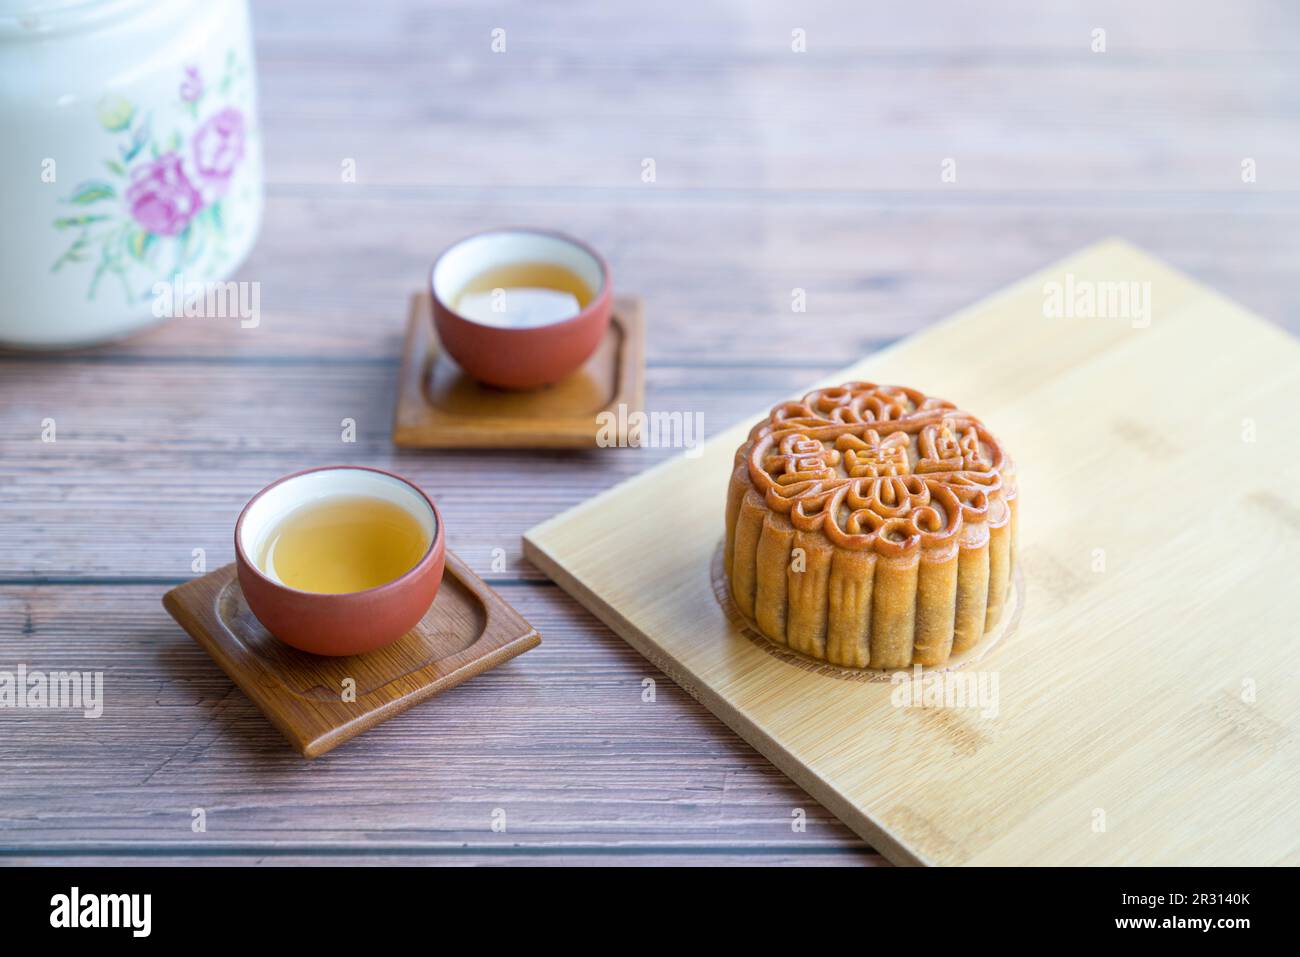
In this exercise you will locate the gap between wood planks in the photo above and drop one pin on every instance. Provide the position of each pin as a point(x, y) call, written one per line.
point(399, 850)
point(162, 359)
point(146, 580)
point(1263, 201)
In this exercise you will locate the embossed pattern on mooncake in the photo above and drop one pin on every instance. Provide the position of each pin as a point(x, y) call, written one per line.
point(871, 526)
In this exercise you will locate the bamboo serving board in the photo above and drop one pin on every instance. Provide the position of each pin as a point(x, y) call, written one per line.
point(441, 407)
point(1146, 707)
point(468, 630)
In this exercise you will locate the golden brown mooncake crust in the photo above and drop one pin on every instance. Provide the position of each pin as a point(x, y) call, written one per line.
point(871, 526)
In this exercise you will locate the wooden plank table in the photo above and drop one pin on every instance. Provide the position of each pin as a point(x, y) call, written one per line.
point(775, 171)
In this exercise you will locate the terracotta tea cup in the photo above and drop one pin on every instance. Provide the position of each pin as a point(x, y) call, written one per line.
point(338, 624)
point(519, 357)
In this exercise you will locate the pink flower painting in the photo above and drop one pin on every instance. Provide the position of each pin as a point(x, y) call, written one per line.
point(161, 199)
point(192, 85)
point(218, 147)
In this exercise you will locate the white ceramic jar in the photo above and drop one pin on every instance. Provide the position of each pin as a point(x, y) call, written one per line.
point(130, 156)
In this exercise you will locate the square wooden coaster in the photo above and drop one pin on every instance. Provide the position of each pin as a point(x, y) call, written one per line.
point(468, 629)
point(1159, 541)
point(441, 407)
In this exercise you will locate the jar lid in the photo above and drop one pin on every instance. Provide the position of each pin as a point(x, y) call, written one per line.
point(42, 17)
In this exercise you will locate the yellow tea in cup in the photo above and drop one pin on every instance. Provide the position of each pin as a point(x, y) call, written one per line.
point(343, 543)
point(522, 295)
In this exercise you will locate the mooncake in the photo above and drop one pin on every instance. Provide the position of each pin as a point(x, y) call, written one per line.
point(871, 526)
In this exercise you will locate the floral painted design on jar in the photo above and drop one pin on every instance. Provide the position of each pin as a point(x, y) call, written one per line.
point(218, 148)
point(160, 198)
point(160, 208)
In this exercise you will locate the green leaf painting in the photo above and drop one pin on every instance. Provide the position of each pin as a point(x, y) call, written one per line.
point(91, 192)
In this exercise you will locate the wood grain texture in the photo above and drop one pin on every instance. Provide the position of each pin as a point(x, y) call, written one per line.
point(564, 740)
point(440, 407)
point(1142, 711)
point(776, 171)
point(469, 629)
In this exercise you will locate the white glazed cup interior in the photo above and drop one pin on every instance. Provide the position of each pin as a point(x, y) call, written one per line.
point(273, 505)
point(476, 255)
